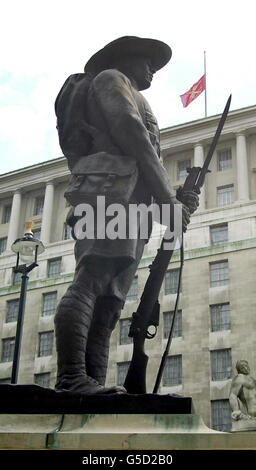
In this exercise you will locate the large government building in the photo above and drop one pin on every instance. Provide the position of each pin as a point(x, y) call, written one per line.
point(216, 321)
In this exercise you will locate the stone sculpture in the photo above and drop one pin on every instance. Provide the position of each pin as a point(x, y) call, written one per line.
point(242, 398)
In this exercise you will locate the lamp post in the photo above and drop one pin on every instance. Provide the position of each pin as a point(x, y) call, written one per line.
point(27, 249)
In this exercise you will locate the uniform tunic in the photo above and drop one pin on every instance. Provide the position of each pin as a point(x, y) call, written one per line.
point(123, 124)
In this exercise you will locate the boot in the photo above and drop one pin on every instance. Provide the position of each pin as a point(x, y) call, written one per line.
point(72, 323)
point(106, 314)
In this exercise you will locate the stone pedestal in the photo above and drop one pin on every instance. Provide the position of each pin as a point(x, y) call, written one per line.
point(28, 399)
point(245, 424)
point(104, 431)
point(112, 432)
point(34, 418)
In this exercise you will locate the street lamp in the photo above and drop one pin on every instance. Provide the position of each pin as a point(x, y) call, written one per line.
point(27, 249)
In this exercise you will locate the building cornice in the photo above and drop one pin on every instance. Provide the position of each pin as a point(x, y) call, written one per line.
point(178, 137)
point(183, 136)
point(29, 178)
point(204, 252)
point(37, 166)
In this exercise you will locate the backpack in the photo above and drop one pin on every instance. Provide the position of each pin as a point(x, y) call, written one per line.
point(70, 104)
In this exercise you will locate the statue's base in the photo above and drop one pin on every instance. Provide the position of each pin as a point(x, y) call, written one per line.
point(103, 431)
point(116, 432)
point(32, 417)
point(244, 425)
point(40, 400)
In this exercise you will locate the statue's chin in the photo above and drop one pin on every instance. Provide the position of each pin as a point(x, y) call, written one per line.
point(143, 85)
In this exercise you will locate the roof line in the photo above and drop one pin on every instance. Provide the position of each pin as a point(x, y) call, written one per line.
point(163, 129)
point(32, 166)
point(205, 118)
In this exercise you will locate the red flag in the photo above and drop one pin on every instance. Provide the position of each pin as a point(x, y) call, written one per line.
point(193, 92)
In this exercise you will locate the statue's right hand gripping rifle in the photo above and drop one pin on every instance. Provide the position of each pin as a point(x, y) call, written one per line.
point(147, 313)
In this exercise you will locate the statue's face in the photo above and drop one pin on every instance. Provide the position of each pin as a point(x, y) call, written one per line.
point(142, 71)
point(243, 367)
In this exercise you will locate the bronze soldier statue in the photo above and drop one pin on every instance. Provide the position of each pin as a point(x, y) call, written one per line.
point(105, 125)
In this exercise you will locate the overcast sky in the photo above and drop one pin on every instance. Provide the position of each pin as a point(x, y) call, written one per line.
point(43, 42)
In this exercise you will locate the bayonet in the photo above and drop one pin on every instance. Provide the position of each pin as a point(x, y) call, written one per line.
point(196, 177)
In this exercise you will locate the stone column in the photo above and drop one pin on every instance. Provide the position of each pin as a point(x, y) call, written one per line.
point(199, 161)
point(242, 167)
point(13, 232)
point(47, 213)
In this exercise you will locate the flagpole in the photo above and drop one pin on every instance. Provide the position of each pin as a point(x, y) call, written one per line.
point(205, 94)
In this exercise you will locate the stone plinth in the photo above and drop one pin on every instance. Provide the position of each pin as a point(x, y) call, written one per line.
point(32, 417)
point(35, 399)
point(244, 425)
point(110, 432)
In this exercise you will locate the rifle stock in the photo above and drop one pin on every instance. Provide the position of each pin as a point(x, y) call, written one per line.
point(135, 381)
point(146, 315)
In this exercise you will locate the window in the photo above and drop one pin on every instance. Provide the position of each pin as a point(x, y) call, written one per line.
point(37, 233)
point(16, 280)
point(173, 371)
point(221, 415)
point(182, 169)
point(7, 349)
point(45, 344)
point(221, 364)
point(6, 214)
point(224, 159)
point(171, 281)
point(67, 232)
point(124, 331)
point(12, 310)
point(39, 205)
point(219, 275)
point(122, 369)
point(42, 379)
point(3, 242)
point(133, 291)
point(220, 317)
point(49, 303)
point(219, 234)
point(168, 317)
point(225, 195)
point(54, 267)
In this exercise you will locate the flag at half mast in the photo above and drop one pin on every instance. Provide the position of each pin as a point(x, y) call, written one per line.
point(193, 92)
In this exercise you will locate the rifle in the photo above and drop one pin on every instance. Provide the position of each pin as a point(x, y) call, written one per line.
point(147, 313)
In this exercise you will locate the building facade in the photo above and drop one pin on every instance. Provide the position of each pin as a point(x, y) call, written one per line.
point(216, 321)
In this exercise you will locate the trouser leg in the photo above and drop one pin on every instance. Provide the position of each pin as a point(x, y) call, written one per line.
point(72, 323)
point(106, 314)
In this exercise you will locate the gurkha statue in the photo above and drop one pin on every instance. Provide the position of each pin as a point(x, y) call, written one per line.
point(110, 137)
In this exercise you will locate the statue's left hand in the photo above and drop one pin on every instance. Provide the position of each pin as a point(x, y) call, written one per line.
point(189, 198)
